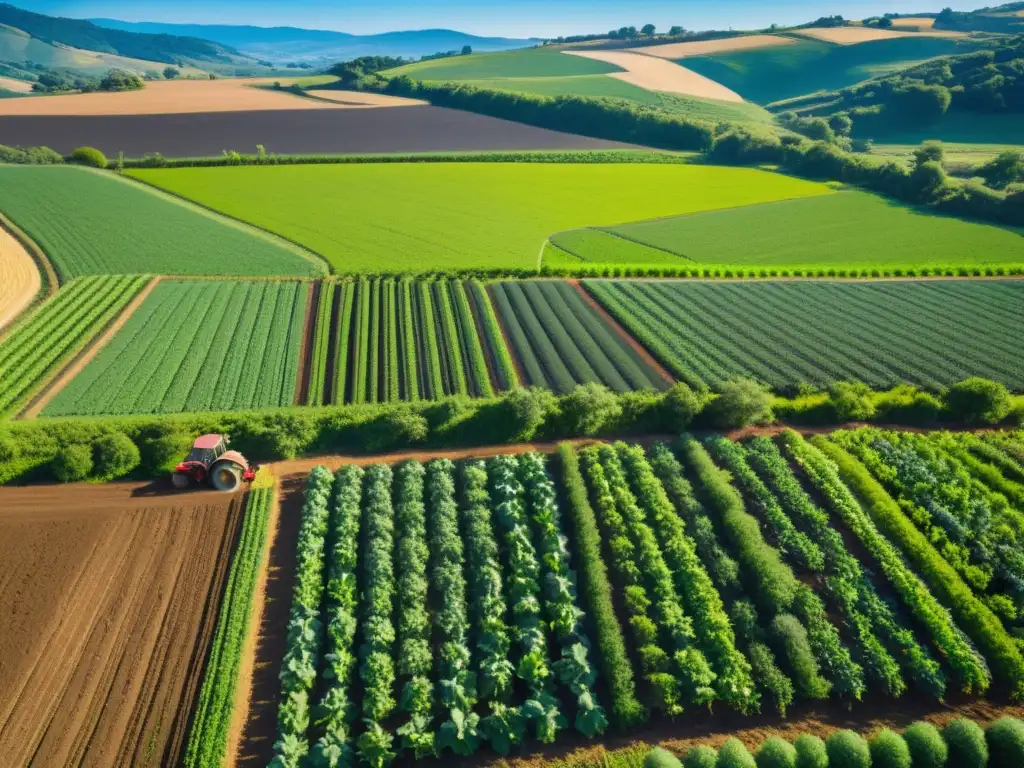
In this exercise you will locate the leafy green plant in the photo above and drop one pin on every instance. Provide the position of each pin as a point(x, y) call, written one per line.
point(776, 753)
point(848, 749)
point(927, 749)
point(966, 743)
point(701, 756)
point(1005, 739)
point(811, 751)
point(889, 750)
point(733, 754)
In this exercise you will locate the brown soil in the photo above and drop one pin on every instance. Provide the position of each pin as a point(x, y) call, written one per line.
point(256, 743)
point(361, 100)
point(513, 354)
point(83, 358)
point(109, 597)
point(243, 687)
point(623, 334)
point(305, 358)
point(656, 74)
point(20, 280)
point(296, 131)
point(706, 47)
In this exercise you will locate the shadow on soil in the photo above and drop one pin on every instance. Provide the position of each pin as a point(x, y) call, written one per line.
point(259, 734)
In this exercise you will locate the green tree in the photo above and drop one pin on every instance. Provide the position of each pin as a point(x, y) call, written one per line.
point(115, 456)
point(466, 50)
point(676, 30)
point(1004, 169)
point(741, 402)
point(89, 156)
point(72, 463)
point(648, 29)
point(119, 80)
point(978, 400)
point(170, 73)
point(929, 152)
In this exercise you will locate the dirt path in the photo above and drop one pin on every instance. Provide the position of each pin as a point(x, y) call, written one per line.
point(20, 280)
point(656, 74)
point(308, 330)
point(109, 612)
point(622, 333)
point(77, 365)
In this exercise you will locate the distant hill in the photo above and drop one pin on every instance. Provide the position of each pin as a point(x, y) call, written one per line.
point(295, 44)
point(85, 35)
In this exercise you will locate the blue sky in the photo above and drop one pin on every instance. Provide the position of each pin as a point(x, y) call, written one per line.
point(518, 18)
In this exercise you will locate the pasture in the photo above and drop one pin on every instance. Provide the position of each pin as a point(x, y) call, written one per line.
point(531, 62)
point(196, 346)
point(460, 215)
point(786, 333)
point(90, 223)
point(766, 75)
point(845, 230)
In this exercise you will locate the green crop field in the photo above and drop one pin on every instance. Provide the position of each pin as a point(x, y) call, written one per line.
point(430, 216)
point(535, 62)
point(845, 230)
point(407, 340)
point(597, 86)
point(931, 333)
point(90, 223)
point(48, 337)
point(196, 346)
point(561, 341)
point(771, 74)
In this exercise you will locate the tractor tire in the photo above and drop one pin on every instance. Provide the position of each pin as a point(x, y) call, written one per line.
point(180, 480)
point(225, 476)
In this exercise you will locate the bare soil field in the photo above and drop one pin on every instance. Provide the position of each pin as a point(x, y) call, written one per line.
point(361, 100)
point(15, 86)
point(324, 131)
point(707, 47)
point(914, 23)
point(109, 598)
point(657, 74)
point(19, 278)
point(167, 97)
point(854, 35)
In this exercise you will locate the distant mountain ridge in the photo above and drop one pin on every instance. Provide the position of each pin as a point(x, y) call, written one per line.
point(78, 33)
point(297, 44)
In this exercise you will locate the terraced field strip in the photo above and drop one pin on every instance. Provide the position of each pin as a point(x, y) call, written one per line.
point(401, 339)
point(51, 335)
point(931, 333)
point(197, 346)
point(561, 341)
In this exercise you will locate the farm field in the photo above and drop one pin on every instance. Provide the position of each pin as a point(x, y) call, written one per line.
point(928, 333)
point(765, 75)
point(109, 599)
point(36, 347)
point(337, 211)
point(196, 346)
point(850, 229)
point(559, 340)
point(21, 279)
point(858, 35)
point(89, 223)
point(534, 62)
point(763, 607)
point(406, 340)
point(656, 74)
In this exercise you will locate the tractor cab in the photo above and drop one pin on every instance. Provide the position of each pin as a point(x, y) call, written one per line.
point(211, 462)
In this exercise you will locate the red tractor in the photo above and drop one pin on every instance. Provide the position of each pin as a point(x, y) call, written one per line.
point(211, 461)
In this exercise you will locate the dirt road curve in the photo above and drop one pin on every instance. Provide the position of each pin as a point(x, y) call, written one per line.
point(19, 278)
point(107, 601)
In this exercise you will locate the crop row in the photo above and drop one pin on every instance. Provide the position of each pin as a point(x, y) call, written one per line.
point(196, 346)
point(39, 345)
point(400, 339)
point(932, 334)
point(561, 341)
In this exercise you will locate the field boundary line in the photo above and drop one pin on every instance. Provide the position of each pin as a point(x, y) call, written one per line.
point(313, 298)
point(75, 366)
point(227, 220)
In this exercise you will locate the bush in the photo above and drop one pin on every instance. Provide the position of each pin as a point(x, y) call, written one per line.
point(966, 744)
point(525, 411)
point(89, 156)
point(811, 752)
point(978, 400)
point(398, 429)
point(796, 648)
point(161, 451)
point(852, 401)
point(776, 753)
point(115, 456)
point(681, 405)
point(889, 750)
point(661, 758)
point(739, 403)
point(847, 749)
point(588, 408)
point(1005, 739)
point(72, 463)
point(8, 449)
point(701, 756)
point(927, 749)
point(734, 755)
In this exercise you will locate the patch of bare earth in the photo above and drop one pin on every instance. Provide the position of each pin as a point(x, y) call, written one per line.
point(854, 35)
point(914, 23)
point(360, 100)
point(15, 86)
point(78, 363)
point(109, 611)
point(657, 74)
point(19, 278)
point(707, 47)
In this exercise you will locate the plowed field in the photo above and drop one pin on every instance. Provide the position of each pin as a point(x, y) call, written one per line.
point(108, 604)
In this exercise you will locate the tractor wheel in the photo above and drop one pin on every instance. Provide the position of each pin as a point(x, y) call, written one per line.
point(225, 476)
point(180, 480)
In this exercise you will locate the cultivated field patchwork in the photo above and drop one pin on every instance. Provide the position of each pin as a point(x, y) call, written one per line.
point(932, 333)
point(857, 35)
point(20, 280)
point(656, 74)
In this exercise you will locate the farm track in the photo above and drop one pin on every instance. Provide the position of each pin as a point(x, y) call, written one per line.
point(82, 359)
point(113, 591)
point(306, 351)
point(623, 334)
